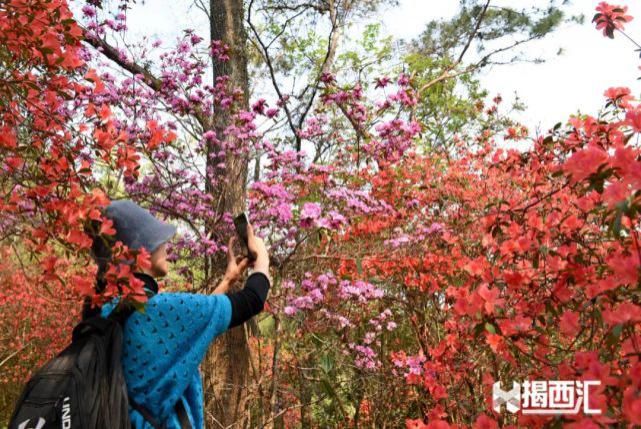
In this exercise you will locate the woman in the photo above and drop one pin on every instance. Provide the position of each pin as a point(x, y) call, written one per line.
point(164, 345)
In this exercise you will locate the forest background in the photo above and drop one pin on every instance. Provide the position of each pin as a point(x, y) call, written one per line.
point(428, 237)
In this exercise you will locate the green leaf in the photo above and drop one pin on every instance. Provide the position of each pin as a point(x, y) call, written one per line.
point(490, 328)
point(616, 226)
point(327, 387)
point(326, 363)
point(359, 266)
point(613, 337)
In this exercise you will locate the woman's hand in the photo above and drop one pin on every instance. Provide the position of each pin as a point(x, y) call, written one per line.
point(236, 265)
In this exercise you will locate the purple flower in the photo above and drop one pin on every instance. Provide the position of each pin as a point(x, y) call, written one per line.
point(259, 106)
point(382, 82)
point(309, 213)
point(272, 112)
point(284, 212)
point(435, 227)
point(88, 11)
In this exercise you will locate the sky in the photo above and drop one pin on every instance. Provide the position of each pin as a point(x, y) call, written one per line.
point(575, 80)
point(565, 83)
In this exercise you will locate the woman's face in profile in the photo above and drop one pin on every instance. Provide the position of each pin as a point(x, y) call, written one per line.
point(159, 264)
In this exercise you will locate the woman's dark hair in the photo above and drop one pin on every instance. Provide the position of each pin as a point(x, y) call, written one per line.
point(101, 254)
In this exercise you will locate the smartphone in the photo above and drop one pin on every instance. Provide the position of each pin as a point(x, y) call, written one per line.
point(241, 223)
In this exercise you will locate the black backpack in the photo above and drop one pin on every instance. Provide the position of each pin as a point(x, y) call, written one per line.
point(84, 386)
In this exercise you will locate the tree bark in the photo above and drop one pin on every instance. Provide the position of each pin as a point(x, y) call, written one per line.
point(226, 367)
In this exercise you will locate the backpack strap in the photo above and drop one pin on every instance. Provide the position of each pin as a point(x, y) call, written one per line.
point(182, 415)
point(180, 411)
point(121, 313)
point(146, 414)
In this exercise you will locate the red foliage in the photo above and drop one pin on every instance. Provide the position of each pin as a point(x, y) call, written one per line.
point(535, 271)
point(50, 196)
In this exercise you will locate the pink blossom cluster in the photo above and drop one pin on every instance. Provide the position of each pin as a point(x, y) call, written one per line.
point(411, 365)
point(417, 236)
point(383, 321)
point(314, 127)
point(395, 138)
point(277, 202)
point(365, 357)
point(341, 321)
point(313, 292)
point(262, 108)
point(311, 216)
point(357, 201)
point(359, 290)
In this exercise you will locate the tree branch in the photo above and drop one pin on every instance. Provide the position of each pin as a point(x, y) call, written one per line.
point(150, 80)
point(473, 33)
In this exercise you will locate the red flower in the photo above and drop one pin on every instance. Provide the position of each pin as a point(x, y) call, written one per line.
point(490, 296)
point(415, 424)
point(619, 96)
point(485, 422)
point(632, 405)
point(610, 18)
point(633, 118)
point(106, 228)
point(585, 162)
point(569, 323)
point(495, 341)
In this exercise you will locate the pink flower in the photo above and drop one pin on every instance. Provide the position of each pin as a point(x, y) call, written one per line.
point(88, 11)
point(327, 78)
point(382, 82)
point(259, 106)
point(610, 18)
point(309, 213)
point(272, 113)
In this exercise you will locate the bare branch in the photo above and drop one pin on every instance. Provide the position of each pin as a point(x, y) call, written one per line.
point(473, 33)
point(112, 53)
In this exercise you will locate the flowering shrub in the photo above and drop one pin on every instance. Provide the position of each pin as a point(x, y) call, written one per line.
point(407, 281)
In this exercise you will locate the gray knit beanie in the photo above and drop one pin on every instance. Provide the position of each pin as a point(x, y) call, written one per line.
point(136, 227)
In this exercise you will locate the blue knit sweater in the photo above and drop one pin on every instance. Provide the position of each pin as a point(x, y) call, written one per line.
point(162, 349)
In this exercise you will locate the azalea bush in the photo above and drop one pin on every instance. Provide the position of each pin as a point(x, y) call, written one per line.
point(469, 266)
point(50, 205)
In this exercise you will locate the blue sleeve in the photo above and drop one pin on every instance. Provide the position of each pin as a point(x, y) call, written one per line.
point(165, 344)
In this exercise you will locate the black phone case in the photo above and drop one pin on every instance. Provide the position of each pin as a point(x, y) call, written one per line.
point(241, 223)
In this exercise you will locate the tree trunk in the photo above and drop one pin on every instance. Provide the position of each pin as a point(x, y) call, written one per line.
point(226, 367)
